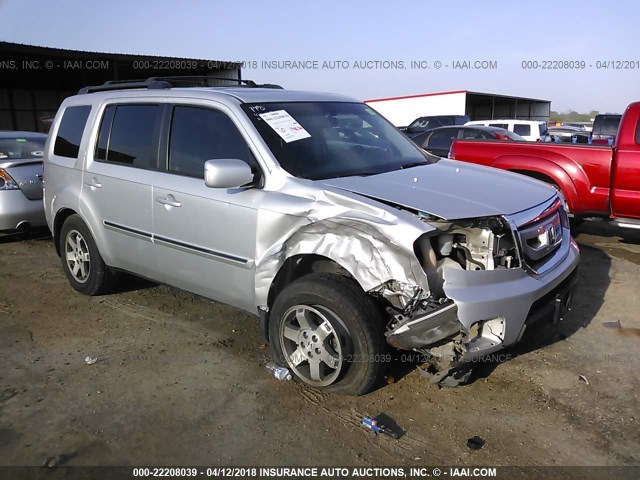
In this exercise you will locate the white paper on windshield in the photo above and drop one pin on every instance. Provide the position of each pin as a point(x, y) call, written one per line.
point(285, 125)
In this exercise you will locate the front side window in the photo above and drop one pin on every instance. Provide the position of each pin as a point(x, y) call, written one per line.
point(320, 140)
point(70, 132)
point(201, 134)
point(128, 135)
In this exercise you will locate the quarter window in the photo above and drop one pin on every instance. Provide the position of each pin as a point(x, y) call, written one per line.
point(201, 134)
point(522, 129)
point(69, 135)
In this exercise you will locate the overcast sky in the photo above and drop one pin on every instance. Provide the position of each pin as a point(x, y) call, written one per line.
point(367, 31)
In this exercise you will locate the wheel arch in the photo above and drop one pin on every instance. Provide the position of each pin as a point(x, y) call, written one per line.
point(548, 171)
point(293, 268)
point(554, 175)
point(61, 216)
point(300, 265)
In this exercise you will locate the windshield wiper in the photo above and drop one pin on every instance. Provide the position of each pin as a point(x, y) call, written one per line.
point(356, 174)
point(413, 164)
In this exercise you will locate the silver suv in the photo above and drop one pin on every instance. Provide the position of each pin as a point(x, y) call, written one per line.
point(312, 212)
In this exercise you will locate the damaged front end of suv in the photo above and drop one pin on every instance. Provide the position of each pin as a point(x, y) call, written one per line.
point(486, 285)
point(455, 259)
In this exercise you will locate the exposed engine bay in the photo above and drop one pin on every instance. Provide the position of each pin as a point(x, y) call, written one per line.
point(477, 244)
point(427, 322)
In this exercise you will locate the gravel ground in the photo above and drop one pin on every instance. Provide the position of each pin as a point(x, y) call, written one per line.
point(181, 381)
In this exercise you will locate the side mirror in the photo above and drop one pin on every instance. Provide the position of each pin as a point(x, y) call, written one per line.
point(227, 173)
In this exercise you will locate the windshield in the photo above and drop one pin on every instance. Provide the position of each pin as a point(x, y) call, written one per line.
point(513, 136)
point(426, 123)
point(22, 147)
point(320, 140)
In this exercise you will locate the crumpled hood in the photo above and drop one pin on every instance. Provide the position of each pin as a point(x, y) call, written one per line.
point(451, 190)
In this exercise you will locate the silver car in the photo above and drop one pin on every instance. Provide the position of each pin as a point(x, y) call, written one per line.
point(21, 180)
point(313, 213)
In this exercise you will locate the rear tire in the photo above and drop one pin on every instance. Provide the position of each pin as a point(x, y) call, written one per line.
point(81, 261)
point(330, 334)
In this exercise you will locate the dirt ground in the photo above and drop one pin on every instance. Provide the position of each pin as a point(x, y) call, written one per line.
point(181, 381)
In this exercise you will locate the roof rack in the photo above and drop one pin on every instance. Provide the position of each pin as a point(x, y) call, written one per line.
point(157, 83)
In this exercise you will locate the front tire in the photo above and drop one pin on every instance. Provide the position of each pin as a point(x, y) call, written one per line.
point(330, 334)
point(82, 264)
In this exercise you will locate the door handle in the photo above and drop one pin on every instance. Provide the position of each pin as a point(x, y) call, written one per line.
point(168, 202)
point(93, 183)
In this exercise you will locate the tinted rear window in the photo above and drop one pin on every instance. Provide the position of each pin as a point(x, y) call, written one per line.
point(606, 124)
point(22, 147)
point(128, 135)
point(69, 136)
point(522, 129)
point(638, 134)
point(513, 136)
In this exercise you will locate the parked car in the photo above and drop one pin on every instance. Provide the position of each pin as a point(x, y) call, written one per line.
point(585, 126)
point(530, 130)
point(422, 124)
point(605, 129)
point(438, 141)
point(595, 181)
point(568, 134)
point(341, 247)
point(21, 180)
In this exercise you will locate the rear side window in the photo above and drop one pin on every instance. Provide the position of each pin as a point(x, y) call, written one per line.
point(606, 124)
point(543, 129)
point(69, 135)
point(609, 125)
point(442, 139)
point(638, 134)
point(522, 129)
point(128, 135)
point(473, 134)
point(201, 134)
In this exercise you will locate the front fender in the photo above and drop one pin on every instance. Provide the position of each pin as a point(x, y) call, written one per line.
point(547, 168)
point(361, 249)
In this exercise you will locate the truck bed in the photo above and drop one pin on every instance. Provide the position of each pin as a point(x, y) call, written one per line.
point(582, 172)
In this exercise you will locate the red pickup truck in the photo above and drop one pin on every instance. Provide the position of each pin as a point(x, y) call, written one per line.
point(596, 181)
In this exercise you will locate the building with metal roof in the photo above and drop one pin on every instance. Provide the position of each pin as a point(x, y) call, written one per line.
point(34, 80)
point(477, 105)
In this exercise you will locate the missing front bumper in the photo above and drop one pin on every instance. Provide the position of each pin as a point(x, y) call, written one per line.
point(425, 329)
point(453, 350)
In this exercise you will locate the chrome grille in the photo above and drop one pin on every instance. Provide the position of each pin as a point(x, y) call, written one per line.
point(543, 236)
